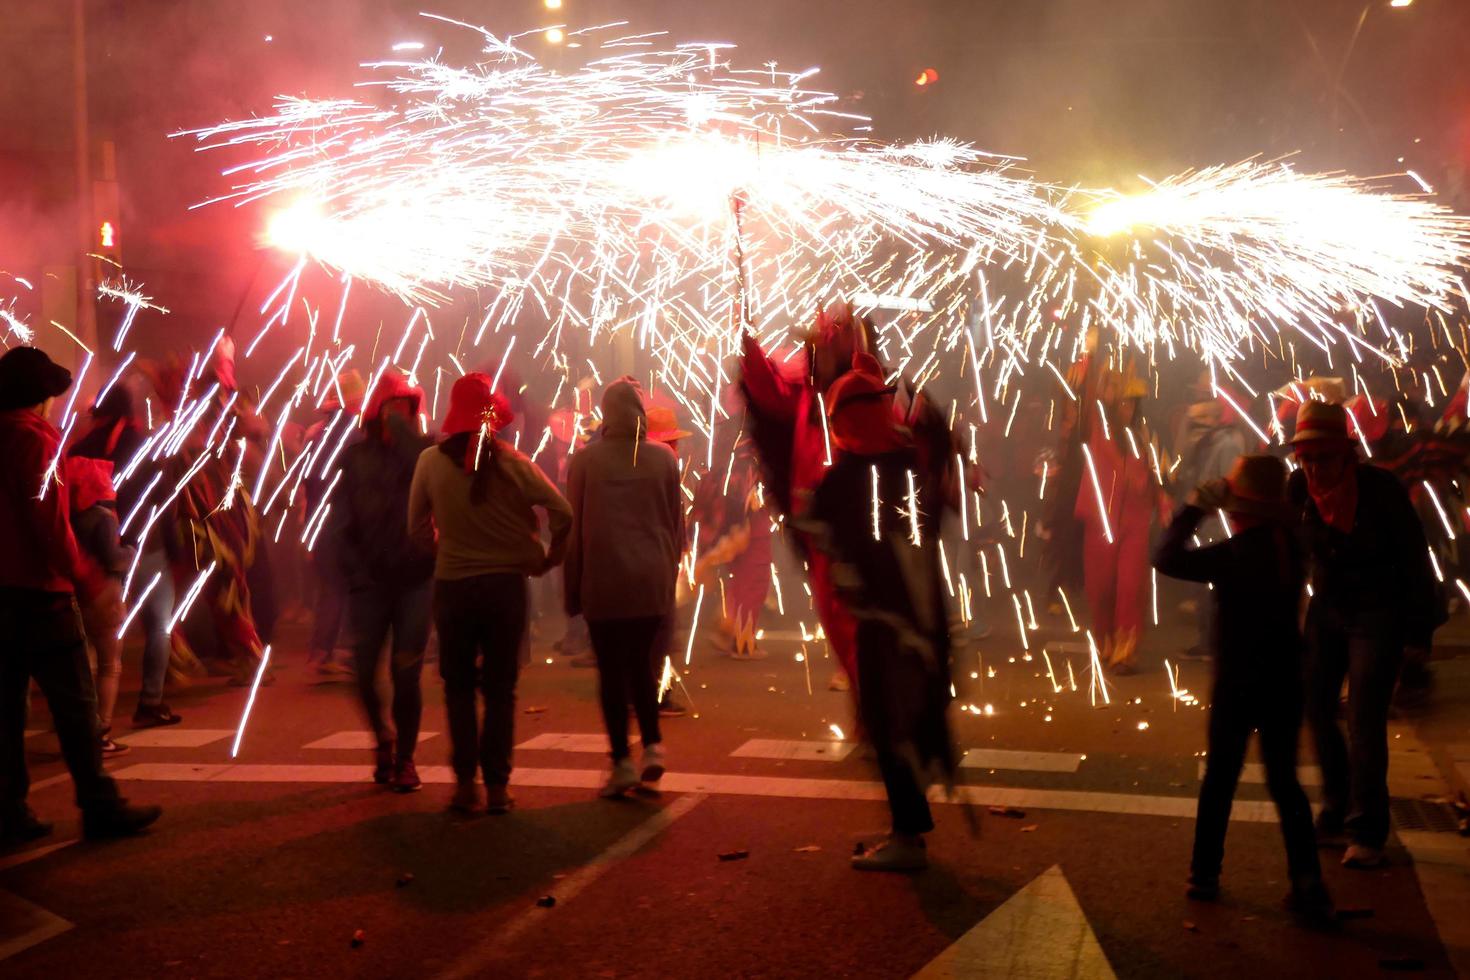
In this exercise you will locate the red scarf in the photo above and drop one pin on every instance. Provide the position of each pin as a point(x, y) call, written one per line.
point(1339, 505)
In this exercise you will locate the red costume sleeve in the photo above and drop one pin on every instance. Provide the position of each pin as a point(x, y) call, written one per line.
point(770, 394)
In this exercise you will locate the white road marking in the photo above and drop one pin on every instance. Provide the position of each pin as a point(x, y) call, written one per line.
point(830, 750)
point(572, 742)
point(476, 961)
point(1247, 811)
point(1255, 772)
point(355, 740)
point(26, 924)
point(1039, 933)
point(1022, 761)
point(26, 857)
point(174, 738)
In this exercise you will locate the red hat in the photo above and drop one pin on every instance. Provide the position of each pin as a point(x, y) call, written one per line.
point(860, 410)
point(393, 385)
point(1321, 421)
point(89, 481)
point(473, 403)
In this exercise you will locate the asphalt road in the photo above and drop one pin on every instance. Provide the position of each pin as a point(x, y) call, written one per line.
point(270, 865)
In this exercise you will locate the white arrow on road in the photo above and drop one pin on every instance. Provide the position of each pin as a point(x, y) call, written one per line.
point(1039, 933)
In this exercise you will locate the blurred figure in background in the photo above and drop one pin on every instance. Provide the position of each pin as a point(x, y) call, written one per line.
point(330, 608)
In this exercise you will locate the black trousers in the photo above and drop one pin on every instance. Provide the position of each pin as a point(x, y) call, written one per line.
point(902, 701)
point(625, 649)
point(1354, 772)
point(41, 639)
point(1273, 706)
point(403, 613)
point(481, 621)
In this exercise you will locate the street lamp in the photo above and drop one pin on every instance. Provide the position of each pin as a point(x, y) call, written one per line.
point(555, 36)
point(1391, 3)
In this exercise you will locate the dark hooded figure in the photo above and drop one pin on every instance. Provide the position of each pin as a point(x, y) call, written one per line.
point(622, 563)
point(877, 515)
point(389, 573)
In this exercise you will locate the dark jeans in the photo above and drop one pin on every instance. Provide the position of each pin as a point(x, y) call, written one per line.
point(43, 641)
point(902, 707)
point(1274, 706)
point(481, 621)
point(376, 613)
point(624, 649)
point(157, 610)
point(1354, 772)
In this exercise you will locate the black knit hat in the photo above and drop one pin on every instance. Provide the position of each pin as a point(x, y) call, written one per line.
point(28, 377)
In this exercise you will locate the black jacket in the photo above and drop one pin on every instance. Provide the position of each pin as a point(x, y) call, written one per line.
point(1258, 576)
point(1379, 572)
point(368, 525)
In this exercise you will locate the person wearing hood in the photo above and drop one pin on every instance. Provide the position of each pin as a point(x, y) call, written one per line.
point(626, 541)
point(876, 515)
point(94, 522)
point(116, 436)
point(1373, 601)
point(1257, 574)
point(473, 494)
point(42, 575)
point(387, 572)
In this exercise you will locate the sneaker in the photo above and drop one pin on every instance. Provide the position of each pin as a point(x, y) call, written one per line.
point(1194, 654)
point(1362, 856)
point(1202, 888)
point(110, 748)
point(621, 779)
point(498, 799)
point(466, 798)
point(406, 777)
point(898, 853)
point(653, 763)
point(22, 827)
point(154, 716)
point(117, 819)
point(669, 708)
point(1309, 904)
point(383, 764)
point(583, 660)
point(839, 682)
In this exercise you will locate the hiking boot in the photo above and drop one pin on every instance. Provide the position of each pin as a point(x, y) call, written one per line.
point(1202, 888)
point(117, 819)
point(498, 799)
point(383, 764)
point(901, 852)
point(653, 763)
point(22, 827)
point(669, 708)
point(621, 779)
point(466, 798)
point(406, 777)
point(154, 716)
point(1362, 856)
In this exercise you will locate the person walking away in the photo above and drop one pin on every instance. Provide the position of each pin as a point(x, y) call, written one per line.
point(94, 524)
point(663, 426)
point(42, 574)
point(115, 435)
point(626, 540)
point(476, 493)
point(389, 574)
point(1373, 599)
point(877, 515)
point(1257, 574)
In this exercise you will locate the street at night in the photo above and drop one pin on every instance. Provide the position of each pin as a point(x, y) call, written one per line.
point(596, 488)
